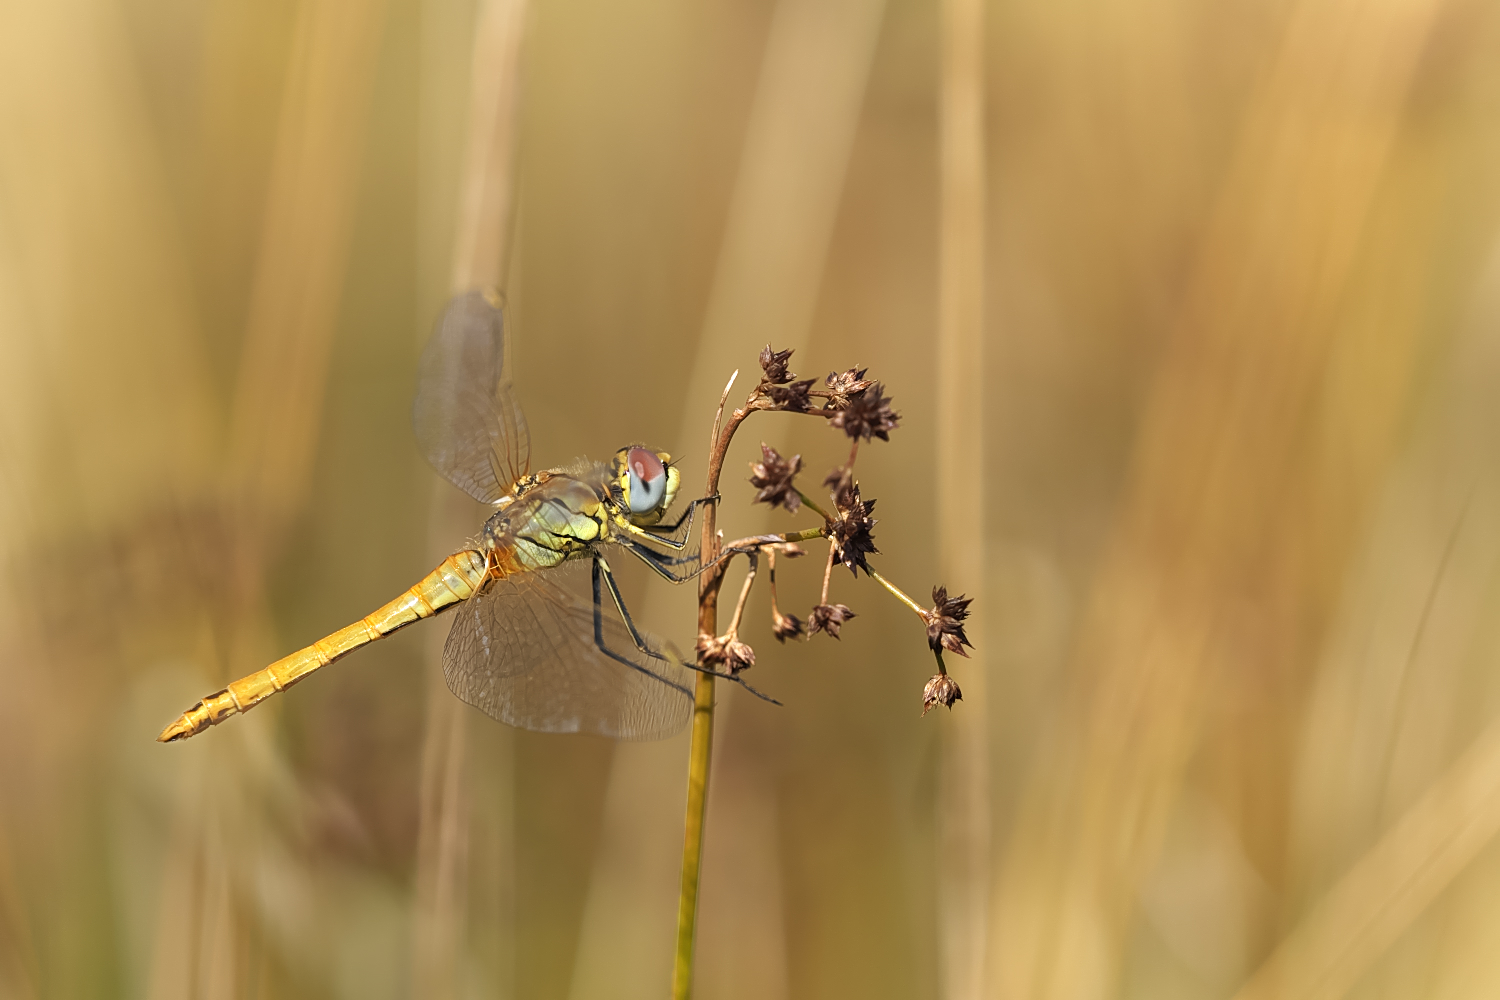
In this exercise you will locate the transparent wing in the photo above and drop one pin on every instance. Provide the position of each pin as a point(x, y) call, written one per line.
point(467, 423)
point(523, 652)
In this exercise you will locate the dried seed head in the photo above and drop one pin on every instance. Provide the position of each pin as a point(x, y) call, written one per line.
point(773, 363)
point(941, 690)
point(828, 618)
point(850, 529)
point(945, 628)
point(791, 397)
point(867, 415)
point(772, 476)
point(785, 626)
point(726, 651)
point(710, 649)
point(738, 656)
point(839, 479)
point(844, 386)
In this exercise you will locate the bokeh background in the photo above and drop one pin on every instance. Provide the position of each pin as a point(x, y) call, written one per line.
point(1218, 461)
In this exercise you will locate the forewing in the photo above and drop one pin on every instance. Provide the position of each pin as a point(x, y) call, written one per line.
point(523, 652)
point(467, 422)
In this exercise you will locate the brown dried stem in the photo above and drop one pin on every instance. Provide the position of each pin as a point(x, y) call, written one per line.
point(700, 751)
point(739, 607)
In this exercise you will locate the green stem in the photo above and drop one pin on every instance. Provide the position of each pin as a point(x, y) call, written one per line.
point(703, 712)
point(812, 506)
point(888, 585)
point(692, 844)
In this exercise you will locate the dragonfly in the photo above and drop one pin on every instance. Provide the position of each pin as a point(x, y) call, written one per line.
point(525, 646)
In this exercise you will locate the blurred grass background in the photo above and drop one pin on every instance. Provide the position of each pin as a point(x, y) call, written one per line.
point(1235, 501)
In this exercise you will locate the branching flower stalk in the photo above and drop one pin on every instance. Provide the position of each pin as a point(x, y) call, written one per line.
point(859, 407)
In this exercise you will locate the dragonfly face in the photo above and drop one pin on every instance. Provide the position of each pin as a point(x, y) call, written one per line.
point(646, 483)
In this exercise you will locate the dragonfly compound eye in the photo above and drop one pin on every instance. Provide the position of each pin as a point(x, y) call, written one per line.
point(648, 480)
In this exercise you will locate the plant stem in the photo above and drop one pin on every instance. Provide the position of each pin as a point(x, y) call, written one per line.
point(828, 570)
point(771, 574)
point(692, 846)
point(739, 608)
point(812, 506)
point(888, 585)
point(700, 750)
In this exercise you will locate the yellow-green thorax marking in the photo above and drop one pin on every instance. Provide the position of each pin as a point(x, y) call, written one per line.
point(551, 517)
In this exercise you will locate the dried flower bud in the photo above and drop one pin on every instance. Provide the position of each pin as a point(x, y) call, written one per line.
point(710, 650)
point(941, 690)
point(773, 363)
point(791, 397)
point(945, 629)
point(828, 618)
point(725, 650)
point(738, 656)
point(839, 479)
point(790, 549)
point(867, 415)
point(850, 529)
point(844, 386)
point(772, 475)
point(785, 626)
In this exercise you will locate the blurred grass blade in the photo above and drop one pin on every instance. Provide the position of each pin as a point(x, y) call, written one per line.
point(1202, 521)
point(484, 215)
point(963, 821)
point(299, 271)
point(1387, 738)
point(1388, 888)
point(786, 193)
point(442, 853)
point(482, 228)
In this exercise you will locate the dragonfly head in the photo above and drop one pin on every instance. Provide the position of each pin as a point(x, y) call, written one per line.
point(647, 482)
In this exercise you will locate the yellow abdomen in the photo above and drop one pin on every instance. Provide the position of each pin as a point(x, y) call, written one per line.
point(455, 580)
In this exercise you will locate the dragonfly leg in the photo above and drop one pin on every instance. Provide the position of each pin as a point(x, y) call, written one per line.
point(662, 565)
point(687, 515)
point(602, 571)
point(634, 634)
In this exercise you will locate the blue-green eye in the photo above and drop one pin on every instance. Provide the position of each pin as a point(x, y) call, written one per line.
point(648, 480)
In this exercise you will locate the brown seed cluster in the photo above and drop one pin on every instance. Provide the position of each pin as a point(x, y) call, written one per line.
point(773, 365)
point(843, 386)
point(792, 397)
point(850, 529)
point(867, 414)
point(772, 476)
point(858, 406)
point(726, 651)
point(785, 626)
point(828, 618)
point(940, 690)
point(945, 622)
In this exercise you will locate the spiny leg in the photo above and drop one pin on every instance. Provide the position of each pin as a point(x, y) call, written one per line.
point(667, 533)
point(662, 565)
point(601, 569)
point(604, 647)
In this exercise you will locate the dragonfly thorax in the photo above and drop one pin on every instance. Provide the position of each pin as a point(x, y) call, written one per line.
point(555, 517)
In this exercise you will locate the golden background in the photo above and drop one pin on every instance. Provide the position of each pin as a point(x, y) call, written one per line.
point(1221, 463)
